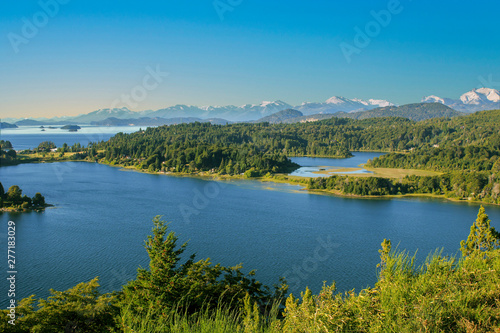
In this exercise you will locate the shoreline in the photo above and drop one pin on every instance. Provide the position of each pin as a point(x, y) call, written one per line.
point(296, 180)
point(23, 210)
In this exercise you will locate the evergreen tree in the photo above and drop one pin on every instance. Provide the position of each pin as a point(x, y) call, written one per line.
point(482, 236)
point(170, 284)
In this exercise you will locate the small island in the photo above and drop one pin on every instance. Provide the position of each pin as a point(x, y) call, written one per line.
point(14, 201)
point(71, 128)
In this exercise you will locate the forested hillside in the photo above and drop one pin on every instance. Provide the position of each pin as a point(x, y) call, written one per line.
point(230, 149)
point(467, 149)
point(416, 111)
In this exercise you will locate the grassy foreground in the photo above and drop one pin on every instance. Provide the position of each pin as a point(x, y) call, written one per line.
point(443, 294)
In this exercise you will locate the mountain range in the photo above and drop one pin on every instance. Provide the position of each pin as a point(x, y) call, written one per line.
point(416, 111)
point(472, 101)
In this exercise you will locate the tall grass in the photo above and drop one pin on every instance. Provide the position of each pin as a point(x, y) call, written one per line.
point(444, 294)
point(441, 295)
point(208, 320)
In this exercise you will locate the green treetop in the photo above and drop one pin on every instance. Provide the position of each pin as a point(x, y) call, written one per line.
point(482, 236)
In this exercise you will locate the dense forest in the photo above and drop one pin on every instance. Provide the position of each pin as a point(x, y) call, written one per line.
point(228, 149)
point(480, 186)
point(443, 294)
point(332, 137)
point(416, 111)
point(467, 149)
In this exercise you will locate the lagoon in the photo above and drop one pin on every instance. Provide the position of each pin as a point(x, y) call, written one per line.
point(310, 166)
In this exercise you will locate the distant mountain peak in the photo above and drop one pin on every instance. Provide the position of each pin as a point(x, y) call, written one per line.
point(472, 101)
point(481, 95)
point(380, 102)
point(337, 100)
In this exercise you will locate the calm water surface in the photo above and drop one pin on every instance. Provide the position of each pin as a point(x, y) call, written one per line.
point(29, 137)
point(103, 214)
point(310, 165)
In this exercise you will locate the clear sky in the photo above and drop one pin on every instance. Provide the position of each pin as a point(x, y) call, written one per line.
point(82, 55)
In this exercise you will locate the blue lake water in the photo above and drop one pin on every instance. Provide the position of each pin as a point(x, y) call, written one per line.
point(311, 165)
point(103, 214)
point(29, 137)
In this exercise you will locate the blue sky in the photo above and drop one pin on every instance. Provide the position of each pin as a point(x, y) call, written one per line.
point(91, 53)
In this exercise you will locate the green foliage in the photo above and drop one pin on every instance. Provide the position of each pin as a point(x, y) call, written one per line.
point(7, 154)
point(38, 200)
point(14, 194)
point(441, 295)
point(482, 237)
point(190, 286)
point(46, 146)
point(79, 309)
point(14, 199)
point(205, 147)
point(207, 320)
point(5, 144)
point(251, 173)
point(464, 185)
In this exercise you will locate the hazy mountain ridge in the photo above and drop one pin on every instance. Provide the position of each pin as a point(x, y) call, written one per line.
point(7, 125)
point(416, 111)
point(280, 116)
point(156, 121)
point(472, 101)
point(247, 112)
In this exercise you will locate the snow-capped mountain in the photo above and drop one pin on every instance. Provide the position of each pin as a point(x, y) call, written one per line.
point(229, 112)
point(101, 114)
point(337, 104)
point(245, 112)
point(472, 101)
point(178, 111)
point(480, 96)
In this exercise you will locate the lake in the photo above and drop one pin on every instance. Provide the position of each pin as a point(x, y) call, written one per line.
point(29, 137)
point(103, 214)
